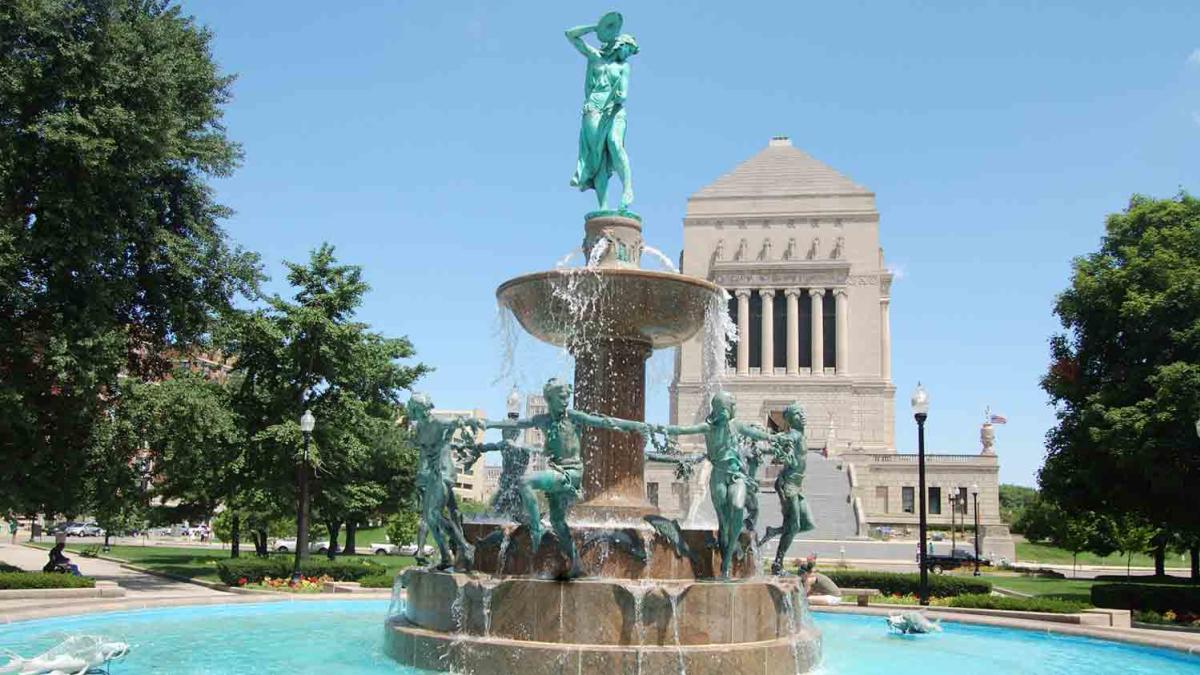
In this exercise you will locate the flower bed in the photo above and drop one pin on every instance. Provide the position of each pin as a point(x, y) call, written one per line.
point(255, 570)
point(286, 585)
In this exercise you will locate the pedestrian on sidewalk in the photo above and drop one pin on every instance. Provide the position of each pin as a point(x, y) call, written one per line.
point(13, 526)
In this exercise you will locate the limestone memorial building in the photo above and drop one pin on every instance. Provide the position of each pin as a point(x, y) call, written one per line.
point(796, 245)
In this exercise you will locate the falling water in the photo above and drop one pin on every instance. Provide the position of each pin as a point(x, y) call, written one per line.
point(502, 556)
point(661, 257)
point(566, 259)
point(487, 586)
point(789, 609)
point(673, 595)
point(397, 605)
point(647, 538)
point(598, 252)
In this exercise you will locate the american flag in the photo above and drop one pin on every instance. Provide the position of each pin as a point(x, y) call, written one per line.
point(998, 419)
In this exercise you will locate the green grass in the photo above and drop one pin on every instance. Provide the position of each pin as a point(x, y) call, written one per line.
point(200, 563)
point(1053, 555)
point(1078, 590)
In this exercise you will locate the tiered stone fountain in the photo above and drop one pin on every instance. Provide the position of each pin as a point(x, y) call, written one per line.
point(649, 603)
point(643, 608)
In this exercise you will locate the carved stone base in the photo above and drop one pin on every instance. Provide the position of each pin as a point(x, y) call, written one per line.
point(633, 551)
point(482, 625)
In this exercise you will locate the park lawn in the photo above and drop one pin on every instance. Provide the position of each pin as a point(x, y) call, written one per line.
point(1066, 589)
point(200, 563)
point(1053, 555)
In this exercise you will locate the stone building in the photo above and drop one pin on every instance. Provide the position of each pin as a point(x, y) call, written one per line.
point(796, 245)
point(478, 484)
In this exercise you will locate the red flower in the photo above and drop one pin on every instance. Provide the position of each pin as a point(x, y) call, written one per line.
point(242, 581)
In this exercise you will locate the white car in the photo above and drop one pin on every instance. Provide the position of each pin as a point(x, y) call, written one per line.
point(289, 545)
point(392, 549)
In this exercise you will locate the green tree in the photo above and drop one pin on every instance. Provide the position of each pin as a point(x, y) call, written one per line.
point(1130, 534)
point(308, 352)
point(110, 247)
point(402, 527)
point(1013, 501)
point(1125, 377)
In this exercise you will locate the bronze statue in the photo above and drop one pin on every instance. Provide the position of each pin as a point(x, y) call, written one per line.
point(436, 474)
point(790, 448)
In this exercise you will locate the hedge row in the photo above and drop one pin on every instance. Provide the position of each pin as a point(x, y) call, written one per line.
point(254, 570)
point(11, 581)
point(983, 601)
point(4, 567)
point(1154, 597)
point(908, 583)
point(384, 580)
point(1157, 580)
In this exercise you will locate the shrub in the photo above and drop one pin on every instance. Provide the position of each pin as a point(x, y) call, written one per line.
point(1164, 580)
point(908, 583)
point(25, 580)
point(254, 570)
point(402, 527)
point(983, 601)
point(384, 580)
point(1159, 598)
point(9, 568)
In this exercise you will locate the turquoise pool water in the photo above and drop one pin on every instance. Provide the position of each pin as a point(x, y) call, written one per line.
point(346, 637)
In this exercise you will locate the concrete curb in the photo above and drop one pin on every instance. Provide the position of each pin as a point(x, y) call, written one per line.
point(103, 589)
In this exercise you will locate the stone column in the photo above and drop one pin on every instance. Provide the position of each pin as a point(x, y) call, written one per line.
point(842, 309)
point(885, 339)
point(743, 347)
point(793, 331)
point(768, 330)
point(818, 331)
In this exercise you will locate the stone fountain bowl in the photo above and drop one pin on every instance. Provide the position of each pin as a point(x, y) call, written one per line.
point(564, 307)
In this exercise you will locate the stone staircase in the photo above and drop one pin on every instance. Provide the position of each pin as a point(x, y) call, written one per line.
point(827, 491)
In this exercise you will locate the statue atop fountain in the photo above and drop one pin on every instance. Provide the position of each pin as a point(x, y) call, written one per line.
point(790, 449)
point(602, 128)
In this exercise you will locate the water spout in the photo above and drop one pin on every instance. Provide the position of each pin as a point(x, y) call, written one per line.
point(661, 257)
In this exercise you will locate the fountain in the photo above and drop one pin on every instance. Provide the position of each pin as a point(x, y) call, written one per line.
point(631, 592)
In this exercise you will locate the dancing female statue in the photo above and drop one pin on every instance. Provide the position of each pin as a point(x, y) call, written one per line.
point(790, 449)
point(602, 130)
point(728, 481)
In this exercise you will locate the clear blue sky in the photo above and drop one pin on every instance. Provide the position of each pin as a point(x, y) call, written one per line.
point(432, 144)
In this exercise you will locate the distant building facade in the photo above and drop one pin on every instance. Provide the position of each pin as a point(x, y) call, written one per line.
point(476, 485)
point(796, 245)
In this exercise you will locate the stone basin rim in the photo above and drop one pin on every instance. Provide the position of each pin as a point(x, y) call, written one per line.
point(656, 275)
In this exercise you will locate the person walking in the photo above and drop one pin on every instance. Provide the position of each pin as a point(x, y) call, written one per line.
point(13, 526)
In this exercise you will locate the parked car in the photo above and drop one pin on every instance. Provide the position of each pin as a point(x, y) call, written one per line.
point(289, 545)
point(959, 557)
point(384, 549)
point(84, 530)
point(411, 550)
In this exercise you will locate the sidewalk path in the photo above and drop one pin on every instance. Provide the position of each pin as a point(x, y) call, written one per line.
point(137, 585)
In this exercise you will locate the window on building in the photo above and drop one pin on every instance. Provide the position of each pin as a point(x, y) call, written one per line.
point(805, 330)
point(652, 493)
point(935, 501)
point(779, 310)
point(881, 498)
point(908, 495)
point(683, 496)
point(962, 500)
point(829, 324)
point(755, 330)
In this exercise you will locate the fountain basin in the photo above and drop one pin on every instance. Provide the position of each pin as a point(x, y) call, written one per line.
point(571, 307)
point(483, 625)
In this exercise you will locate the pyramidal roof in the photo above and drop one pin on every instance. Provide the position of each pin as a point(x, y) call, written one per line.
point(780, 170)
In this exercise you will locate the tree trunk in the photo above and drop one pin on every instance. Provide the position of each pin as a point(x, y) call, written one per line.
point(1160, 559)
point(106, 535)
point(1194, 550)
point(351, 530)
point(1128, 563)
point(235, 535)
point(335, 527)
point(1074, 564)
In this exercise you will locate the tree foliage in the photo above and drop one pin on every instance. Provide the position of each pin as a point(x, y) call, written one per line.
point(1125, 376)
point(110, 247)
point(1014, 499)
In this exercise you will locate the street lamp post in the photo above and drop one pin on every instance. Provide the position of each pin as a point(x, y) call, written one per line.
point(920, 407)
point(307, 424)
point(953, 511)
point(975, 497)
